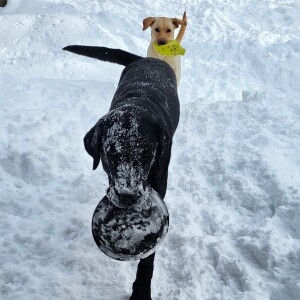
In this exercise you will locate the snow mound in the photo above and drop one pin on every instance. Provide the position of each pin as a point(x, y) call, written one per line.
point(234, 178)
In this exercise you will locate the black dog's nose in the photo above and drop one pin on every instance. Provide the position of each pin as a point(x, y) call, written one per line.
point(128, 199)
point(161, 42)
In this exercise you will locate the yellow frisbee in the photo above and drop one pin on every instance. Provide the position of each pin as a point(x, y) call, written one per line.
point(173, 48)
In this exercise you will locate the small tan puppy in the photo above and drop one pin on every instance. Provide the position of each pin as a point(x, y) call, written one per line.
point(162, 32)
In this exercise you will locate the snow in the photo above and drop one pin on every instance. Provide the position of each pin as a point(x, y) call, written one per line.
point(234, 178)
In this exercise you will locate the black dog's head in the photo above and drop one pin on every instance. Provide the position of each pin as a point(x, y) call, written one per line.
point(129, 144)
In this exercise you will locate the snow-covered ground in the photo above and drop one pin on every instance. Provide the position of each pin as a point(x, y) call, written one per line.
point(234, 185)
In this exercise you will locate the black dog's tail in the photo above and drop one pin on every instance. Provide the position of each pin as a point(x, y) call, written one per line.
point(107, 54)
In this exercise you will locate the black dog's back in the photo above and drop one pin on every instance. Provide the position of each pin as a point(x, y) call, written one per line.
point(150, 83)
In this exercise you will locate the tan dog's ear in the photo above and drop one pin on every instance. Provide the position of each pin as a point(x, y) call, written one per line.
point(178, 22)
point(148, 22)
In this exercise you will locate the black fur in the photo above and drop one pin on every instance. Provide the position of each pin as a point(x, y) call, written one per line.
point(133, 140)
point(106, 54)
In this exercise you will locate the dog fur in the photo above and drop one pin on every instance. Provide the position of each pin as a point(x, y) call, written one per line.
point(133, 140)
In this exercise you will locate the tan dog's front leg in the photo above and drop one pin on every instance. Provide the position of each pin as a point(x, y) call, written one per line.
point(182, 29)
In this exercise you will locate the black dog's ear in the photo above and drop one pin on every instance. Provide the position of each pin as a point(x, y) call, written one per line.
point(92, 142)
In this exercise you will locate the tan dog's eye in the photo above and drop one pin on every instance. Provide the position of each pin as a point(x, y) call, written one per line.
point(157, 30)
point(168, 30)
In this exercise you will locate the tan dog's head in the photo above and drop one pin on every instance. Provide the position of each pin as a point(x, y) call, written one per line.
point(162, 29)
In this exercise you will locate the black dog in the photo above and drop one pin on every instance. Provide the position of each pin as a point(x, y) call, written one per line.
point(133, 140)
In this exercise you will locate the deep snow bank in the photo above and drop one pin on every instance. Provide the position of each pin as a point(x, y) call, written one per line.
point(234, 176)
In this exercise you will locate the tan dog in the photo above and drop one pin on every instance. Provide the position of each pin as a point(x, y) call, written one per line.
point(162, 32)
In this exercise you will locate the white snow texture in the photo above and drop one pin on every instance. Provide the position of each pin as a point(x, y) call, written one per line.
point(234, 178)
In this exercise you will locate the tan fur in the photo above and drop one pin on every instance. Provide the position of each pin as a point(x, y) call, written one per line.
point(162, 29)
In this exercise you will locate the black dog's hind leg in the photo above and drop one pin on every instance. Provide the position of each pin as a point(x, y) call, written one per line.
point(116, 56)
point(141, 288)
